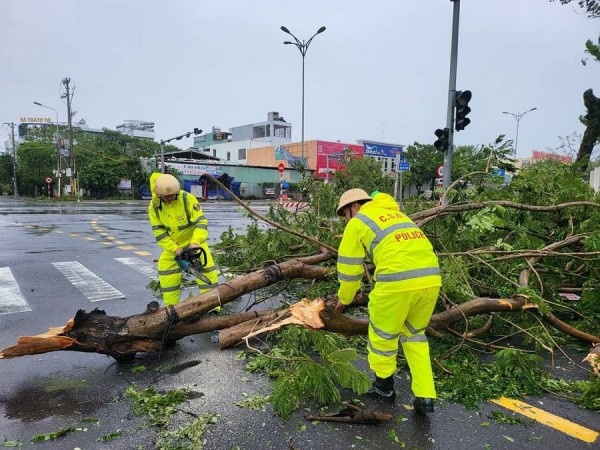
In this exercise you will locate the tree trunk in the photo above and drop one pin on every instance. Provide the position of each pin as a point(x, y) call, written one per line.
point(122, 337)
point(591, 135)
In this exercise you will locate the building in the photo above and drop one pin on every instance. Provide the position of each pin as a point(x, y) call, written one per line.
point(137, 128)
point(235, 145)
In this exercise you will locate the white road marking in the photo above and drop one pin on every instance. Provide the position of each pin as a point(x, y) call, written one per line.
point(11, 297)
point(143, 267)
point(88, 283)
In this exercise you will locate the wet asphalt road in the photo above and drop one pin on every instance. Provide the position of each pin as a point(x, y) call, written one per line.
point(48, 392)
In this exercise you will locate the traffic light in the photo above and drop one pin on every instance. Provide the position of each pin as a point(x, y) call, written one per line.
point(442, 142)
point(197, 131)
point(461, 103)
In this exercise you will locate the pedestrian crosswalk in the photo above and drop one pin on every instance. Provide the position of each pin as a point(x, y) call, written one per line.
point(91, 286)
point(11, 297)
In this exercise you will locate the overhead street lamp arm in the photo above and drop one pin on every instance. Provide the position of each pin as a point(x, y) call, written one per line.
point(518, 117)
point(319, 31)
point(176, 138)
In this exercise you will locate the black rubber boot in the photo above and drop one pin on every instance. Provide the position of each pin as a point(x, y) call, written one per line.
point(383, 389)
point(423, 405)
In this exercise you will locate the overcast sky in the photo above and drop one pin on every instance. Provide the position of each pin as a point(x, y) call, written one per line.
point(379, 71)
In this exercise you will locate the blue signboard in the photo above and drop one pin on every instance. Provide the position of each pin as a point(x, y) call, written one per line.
point(403, 167)
point(381, 150)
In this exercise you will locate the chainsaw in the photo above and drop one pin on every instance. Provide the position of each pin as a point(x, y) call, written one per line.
point(192, 261)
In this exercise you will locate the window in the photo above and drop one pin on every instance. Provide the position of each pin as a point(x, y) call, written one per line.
point(283, 131)
point(259, 132)
point(241, 153)
point(214, 152)
point(228, 156)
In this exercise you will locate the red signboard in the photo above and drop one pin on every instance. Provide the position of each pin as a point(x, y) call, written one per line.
point(48, 180)
point(330, 156)
point(538, 155)
point(281, 167)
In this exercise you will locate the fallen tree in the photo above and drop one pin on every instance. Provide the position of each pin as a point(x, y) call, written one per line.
point(122, 337)
point(505, 259)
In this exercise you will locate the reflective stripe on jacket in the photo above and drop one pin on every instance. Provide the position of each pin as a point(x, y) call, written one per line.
point(178, 223)
point(403, 256)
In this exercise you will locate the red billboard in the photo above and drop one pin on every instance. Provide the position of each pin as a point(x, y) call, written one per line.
point(330, 156)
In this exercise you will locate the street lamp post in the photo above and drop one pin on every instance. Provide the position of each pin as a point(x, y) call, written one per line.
point(303, 48)
point(518, 117)
point(57, 137)
point(176, 138)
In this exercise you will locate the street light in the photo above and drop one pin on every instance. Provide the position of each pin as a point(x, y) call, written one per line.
point(518, 117)
point(57, 144)
point(176, 138)
point(303, 48)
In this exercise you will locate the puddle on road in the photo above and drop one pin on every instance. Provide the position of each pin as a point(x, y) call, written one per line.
point(171, 369)
point(39, 230)
point(54, 397)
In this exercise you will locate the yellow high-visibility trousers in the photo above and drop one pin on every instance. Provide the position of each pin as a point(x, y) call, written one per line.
point(170, 275)
point(402, 316)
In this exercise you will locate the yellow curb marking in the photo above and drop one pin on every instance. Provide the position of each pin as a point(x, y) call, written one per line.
point(73, 234)
point(110, 238)
point(58, 231)
point(119, 242)
point(90, 238)
point(107, 242)
point(104, 234)
point(546, 418)
point(143, 253)
point(127, 247)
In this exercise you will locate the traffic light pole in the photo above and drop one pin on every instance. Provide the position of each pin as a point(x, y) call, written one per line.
point(451, 95)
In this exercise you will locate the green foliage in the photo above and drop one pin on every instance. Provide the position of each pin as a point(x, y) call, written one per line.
point(54, 435)
point(500, 417)
point(424, 160)
point(479, 251)
point(308, 365)
point(591, 394)
point(188, 437)
point(104, 159)
point(111, 436)
point(158, 407)
point(364, 173)
point(514, 374)
point(36, 161)
point(549, 183)
point(256, 402)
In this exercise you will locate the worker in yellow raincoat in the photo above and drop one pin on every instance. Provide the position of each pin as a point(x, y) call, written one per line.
point(177, 223)
point(407, 282)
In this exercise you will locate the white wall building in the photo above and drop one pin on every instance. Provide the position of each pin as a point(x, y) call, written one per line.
point(595, 179)
point(232, 146)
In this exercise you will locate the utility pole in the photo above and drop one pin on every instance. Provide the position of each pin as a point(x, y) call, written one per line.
point(68, 96)
point(14, 149)
point(451, 95)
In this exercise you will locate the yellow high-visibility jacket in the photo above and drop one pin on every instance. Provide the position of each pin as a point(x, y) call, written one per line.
point(179, 223)
point(403, 256)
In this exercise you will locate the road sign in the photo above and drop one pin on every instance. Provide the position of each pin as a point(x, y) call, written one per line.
point(439, 171)
point(49, 180)
point(281, 167)
point(403, 167)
